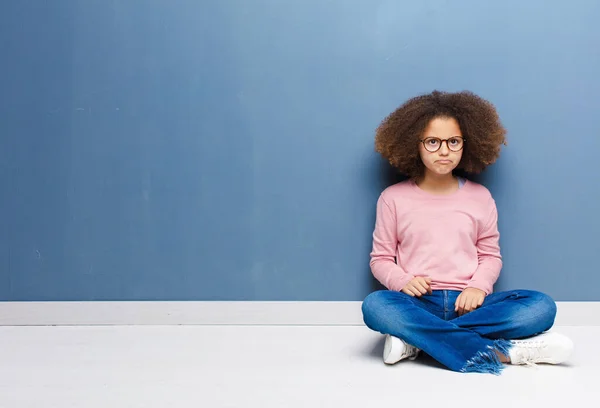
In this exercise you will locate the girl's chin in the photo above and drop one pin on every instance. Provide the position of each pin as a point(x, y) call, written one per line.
point(441, 171)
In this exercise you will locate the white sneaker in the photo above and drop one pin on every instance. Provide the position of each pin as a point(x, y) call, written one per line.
point(546, 348)
point(396, 349)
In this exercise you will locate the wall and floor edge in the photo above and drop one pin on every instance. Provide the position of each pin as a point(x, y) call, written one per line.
point(310, 313)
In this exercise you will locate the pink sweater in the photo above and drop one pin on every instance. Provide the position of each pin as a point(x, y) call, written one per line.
point(453, 238)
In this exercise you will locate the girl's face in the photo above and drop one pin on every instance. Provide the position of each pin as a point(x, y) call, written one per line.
point(441, 146)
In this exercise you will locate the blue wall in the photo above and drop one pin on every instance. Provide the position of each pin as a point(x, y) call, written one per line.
point(224, 149)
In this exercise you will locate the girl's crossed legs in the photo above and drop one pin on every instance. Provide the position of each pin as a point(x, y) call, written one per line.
point(477, 341)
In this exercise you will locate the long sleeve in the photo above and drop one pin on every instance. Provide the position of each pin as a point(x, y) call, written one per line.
point(488, 254)
point(385, 240)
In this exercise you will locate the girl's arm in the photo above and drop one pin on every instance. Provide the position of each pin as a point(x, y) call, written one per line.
point(385, 241)
point(488, 253)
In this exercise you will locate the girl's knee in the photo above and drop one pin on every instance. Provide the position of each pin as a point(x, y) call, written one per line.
point(540, 307)
point(373, 303)
point(378, 307)
point(545, 307)
point(541, 303)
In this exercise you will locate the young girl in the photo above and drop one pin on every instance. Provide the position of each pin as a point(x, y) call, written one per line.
point(435, 246)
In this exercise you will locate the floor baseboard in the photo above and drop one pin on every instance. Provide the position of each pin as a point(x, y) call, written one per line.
point(223, 313)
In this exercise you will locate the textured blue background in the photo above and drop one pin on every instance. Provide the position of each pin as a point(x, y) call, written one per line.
point(224, 149)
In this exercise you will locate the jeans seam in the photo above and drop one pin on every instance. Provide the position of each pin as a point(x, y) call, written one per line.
point(445, 305)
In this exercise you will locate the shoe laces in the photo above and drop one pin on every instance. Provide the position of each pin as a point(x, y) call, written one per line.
point(528, 351)
point(410, 351)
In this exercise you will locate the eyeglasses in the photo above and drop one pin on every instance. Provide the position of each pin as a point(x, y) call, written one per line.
point(433, 144)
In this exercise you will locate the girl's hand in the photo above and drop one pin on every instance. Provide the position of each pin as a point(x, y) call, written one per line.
point(469, 300)
point(418, 286)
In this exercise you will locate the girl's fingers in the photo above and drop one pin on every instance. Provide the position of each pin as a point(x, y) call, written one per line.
point(408, 291)
point(463, 305)
point(426, 283)
point(415, 291)
point(460, 305)
point(420, 287)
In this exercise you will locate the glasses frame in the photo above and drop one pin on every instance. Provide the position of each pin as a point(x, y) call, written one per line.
point(442, 141)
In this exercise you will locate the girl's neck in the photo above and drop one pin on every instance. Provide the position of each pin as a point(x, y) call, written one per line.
point(446, 184)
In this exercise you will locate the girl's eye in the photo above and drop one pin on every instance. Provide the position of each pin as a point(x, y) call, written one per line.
point(432, 142)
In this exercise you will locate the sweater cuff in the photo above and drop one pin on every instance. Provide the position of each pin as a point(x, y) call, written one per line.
point(399, 282)
point(484, 286)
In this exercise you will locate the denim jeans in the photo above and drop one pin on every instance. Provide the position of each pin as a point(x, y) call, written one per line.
point(467, 343)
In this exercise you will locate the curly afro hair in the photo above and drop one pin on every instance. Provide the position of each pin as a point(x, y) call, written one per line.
point(398, 136)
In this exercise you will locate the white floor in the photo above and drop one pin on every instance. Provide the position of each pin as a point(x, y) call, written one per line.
point(262, 366)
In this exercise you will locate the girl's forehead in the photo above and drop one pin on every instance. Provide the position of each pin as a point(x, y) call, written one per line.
point(443, 127)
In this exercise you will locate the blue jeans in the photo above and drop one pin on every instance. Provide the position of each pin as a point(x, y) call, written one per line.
point(467, 343)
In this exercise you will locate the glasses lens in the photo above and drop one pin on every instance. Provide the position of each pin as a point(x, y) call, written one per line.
point(432, 144)
point(455, 144)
